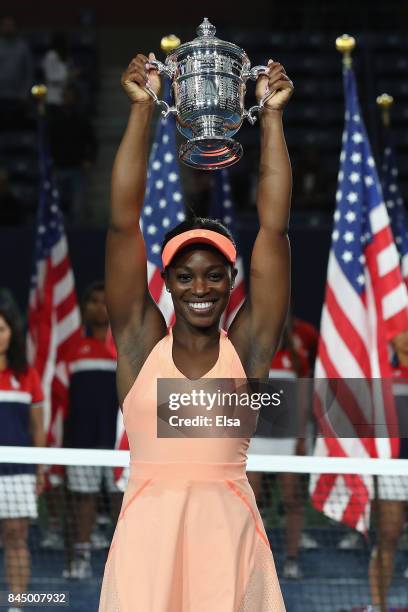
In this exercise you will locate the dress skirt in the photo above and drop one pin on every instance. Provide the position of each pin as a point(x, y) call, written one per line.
point(190, 538)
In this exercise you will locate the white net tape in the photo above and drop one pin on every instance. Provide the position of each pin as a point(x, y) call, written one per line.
point(257, 462)
point(322, 565)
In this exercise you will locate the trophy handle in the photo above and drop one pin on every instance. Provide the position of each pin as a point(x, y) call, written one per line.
point(253, 74)
point(161, 68)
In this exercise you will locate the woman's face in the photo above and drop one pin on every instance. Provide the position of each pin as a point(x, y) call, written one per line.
point(95, 312)
point(200, 285)
point(5, 336)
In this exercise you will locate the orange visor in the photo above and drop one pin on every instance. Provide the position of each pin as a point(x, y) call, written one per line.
point(203, 236)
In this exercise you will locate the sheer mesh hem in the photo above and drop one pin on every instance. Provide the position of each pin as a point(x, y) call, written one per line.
point(109, 601)
point(263, 592)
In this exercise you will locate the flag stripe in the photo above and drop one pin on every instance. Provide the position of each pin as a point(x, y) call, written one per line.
point(347, 298)
point(404, 266)
point(351, 336)
point(391, 303)
point(379, 219)
point(156, 285)
point(63, 288)
point(345, 360)
point(387, 259)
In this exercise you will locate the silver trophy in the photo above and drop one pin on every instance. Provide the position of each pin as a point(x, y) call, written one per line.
point(209, 81)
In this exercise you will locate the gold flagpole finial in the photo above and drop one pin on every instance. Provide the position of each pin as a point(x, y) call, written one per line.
point(345, 45)
point(385, 101)
point(39, 92)
point(169, 43)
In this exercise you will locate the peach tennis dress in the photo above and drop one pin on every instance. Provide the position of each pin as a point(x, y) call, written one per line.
point(189, 537)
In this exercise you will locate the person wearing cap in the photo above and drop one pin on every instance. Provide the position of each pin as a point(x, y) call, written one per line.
point(189, 535)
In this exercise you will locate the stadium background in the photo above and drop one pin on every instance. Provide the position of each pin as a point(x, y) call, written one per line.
point(104, 36)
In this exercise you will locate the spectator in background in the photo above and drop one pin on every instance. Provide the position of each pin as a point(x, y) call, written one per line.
point(73, 148)
point(91, 423)
point(306, 340)
point(392, 504)
point(11, 208)
point(288, 364)
point(16, 75)
point(57, 71)
point(21, 418)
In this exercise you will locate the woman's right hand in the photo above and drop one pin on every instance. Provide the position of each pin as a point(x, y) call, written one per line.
point(137, 75)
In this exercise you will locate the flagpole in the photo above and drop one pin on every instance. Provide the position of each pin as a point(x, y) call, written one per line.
point(39, 92)
point(385, 101)
point(345, 44)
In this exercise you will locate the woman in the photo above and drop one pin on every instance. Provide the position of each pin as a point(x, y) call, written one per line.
point(21, 425)
point(189, 536)
point(391, 507)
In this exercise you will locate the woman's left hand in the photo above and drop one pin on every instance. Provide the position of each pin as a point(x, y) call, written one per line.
point(278, 83)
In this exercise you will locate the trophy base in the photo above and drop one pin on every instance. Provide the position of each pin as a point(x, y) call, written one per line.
point(210, 152)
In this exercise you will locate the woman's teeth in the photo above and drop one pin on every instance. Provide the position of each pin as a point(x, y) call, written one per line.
point(200, 305)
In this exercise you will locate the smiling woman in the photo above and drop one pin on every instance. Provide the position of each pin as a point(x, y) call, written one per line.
point(190, 536)
point(198, 267)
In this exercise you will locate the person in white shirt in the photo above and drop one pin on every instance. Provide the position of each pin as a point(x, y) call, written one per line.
point(57, 70)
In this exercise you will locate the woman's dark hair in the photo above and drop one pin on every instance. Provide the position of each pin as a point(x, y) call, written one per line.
point(16, 353)
point(198, 223)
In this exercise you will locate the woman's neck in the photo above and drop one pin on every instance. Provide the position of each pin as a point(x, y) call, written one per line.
point(3, 362)
point(195, 338)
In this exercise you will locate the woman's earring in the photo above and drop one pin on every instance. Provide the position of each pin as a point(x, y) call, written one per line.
point(167, 289)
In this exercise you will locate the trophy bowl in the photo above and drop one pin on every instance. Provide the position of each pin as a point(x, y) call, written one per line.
point(208, 77)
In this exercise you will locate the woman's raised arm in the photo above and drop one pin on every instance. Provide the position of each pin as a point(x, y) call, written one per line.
point(127, 294)
point(263, 315)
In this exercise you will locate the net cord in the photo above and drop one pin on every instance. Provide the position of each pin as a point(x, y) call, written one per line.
point(256, 462)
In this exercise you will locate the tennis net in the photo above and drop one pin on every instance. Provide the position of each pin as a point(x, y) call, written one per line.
point(323, 566)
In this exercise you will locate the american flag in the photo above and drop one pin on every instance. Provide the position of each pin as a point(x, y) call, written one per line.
point(53, 315)
point(223, 209)
point(395, 205)
point(163, 209)
point(365, 306)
